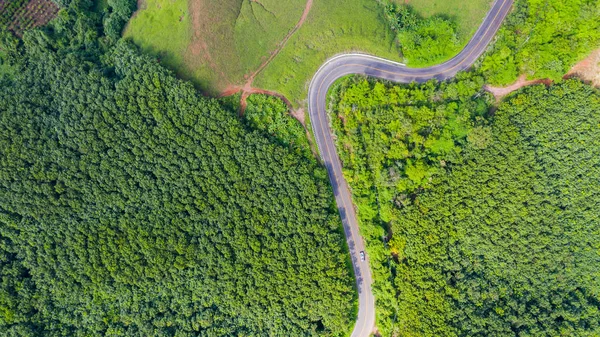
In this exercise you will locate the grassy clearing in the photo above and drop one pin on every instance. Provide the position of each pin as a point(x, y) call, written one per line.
point(333, 26)
point(219, 42)
point(468, 14)
point(162, 28)
point(233, 37)
point(261, 26)
point(222, 42)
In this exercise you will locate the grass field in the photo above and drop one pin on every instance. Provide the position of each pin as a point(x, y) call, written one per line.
point(219, 43)
point(162, 28)
point(468, 14)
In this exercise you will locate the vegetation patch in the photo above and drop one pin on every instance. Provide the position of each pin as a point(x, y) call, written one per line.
point(271, 116)
point(468, 15)
point(422, 42)
point(489, 223)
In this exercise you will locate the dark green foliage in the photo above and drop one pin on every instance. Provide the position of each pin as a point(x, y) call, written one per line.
point(543, 39)
point(132, 206)
point(271, 116)
point(507, 242)
point(394, 140)
point(422, 42)
point(119, 12)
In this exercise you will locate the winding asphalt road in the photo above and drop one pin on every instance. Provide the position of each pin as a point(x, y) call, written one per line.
point(347, 64)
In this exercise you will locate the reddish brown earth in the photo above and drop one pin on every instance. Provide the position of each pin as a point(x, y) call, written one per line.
point(299, 115)
point(247, 88)
point(500, 92)
point(588, 69)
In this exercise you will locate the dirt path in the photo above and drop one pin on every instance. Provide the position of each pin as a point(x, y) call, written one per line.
point(500, 92)
point(588, 70)
point(282, 43)
point(247, 88)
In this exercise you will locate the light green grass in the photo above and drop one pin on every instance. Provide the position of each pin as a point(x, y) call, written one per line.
point(333, 26)
point(236, 36)
point(228, 40)
point(162, 28)
point(261, 26)
point(468, 13)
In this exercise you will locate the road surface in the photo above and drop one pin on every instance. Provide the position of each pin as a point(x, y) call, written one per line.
point(347, 64)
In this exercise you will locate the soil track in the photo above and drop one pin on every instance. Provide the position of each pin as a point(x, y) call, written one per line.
point(588, 70)
point(247, 88)
point(500, 92)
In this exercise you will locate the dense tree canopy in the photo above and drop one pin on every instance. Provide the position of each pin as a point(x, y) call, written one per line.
point(271, 116)
point(543, 39)
point(132, 206)
point(507, 241)
point(394, 140)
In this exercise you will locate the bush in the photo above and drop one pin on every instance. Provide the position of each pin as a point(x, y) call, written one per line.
point(422, 42)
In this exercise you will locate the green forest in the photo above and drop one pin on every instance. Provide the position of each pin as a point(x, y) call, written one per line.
point(543, 39)
point(130, 205)
point(490, 222)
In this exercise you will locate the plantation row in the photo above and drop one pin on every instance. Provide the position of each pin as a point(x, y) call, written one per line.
point(20, 15)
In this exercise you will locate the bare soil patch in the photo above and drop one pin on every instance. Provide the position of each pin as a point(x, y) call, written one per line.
point(500, 92)
point(588, 70)
point(299, 115)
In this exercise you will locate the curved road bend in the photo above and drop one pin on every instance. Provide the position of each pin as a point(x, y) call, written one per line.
point(343, 65)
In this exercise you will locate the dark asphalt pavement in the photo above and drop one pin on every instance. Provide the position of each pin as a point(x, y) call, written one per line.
point(347, 64)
